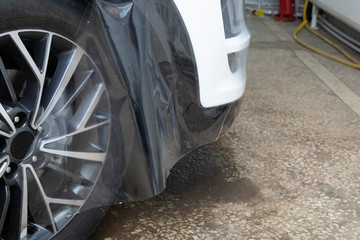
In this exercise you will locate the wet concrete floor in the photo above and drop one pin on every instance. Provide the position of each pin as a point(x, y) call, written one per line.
point(288, 169)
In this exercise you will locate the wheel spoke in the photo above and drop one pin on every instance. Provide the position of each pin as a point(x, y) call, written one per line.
point(43, 53)
point(5, 117)
point(39, 72)
point(79, 178)
point(43, 196)
point(67, 65)
point(24, 205)
point(85, 76)
point(62, 201)
point(4, 163)
point(50, 200)
point(80, 120)
point(5, 199)
point(90, 156)
point(9, 91)
point(87, 107)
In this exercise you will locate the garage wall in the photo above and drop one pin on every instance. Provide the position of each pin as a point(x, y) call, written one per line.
point(271, 7)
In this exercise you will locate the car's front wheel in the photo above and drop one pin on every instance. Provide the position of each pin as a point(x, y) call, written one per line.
point(54, 128)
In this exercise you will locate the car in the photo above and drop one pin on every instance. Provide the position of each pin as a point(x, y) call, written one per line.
point(99, 99)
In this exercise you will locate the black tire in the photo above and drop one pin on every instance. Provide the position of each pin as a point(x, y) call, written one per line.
point(63, 18)
point(82, 225)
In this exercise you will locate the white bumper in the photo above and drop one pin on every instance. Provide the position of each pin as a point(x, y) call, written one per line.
point(218, 85)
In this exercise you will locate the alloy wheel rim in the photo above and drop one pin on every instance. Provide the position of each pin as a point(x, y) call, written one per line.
point(54, 132)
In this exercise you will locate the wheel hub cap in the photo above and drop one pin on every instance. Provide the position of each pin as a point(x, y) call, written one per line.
point(20, 145)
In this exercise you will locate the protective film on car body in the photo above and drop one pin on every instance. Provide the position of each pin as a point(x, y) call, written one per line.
point(153, 62)
point(147, 114)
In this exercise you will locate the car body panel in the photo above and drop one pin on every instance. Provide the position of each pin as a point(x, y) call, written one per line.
point(203, 20)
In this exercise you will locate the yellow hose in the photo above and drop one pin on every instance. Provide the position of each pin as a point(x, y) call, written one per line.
point(352, 63)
